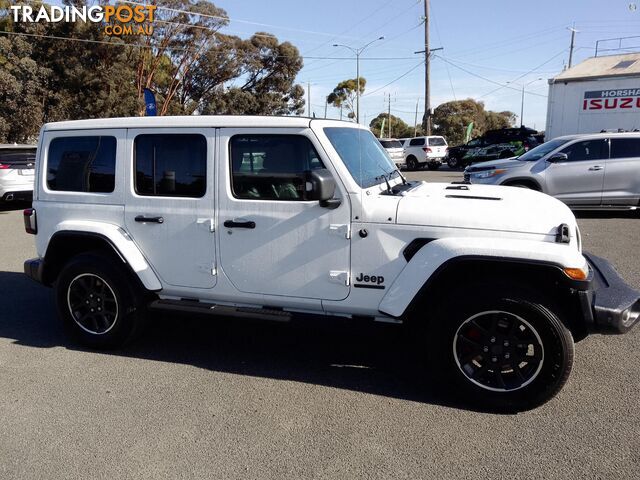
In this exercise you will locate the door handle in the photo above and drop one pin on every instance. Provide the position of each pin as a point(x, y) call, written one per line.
point(143, 219)
point(239, 224)
point(595, 168)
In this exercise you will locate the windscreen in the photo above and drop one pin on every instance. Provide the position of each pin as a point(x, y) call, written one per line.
point(391, 143)
point(361, 152)
point(541, 150)
point(18, 158)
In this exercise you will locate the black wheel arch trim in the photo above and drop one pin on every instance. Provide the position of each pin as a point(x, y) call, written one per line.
point(523, 180)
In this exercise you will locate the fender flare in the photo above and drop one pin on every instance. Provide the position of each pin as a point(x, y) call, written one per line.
point(435, 254)
point(118, 239)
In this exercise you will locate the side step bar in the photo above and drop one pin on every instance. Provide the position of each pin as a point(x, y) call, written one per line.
point(194, 306)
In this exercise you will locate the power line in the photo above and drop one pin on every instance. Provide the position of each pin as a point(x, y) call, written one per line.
point(394, 80)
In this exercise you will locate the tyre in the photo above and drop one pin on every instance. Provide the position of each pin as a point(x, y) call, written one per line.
point(502, 351)
point(520, 185)
point(433, 165)
point(98, 303)
point(412, 163)
point(453, 162)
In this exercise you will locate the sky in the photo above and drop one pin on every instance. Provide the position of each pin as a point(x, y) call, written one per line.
point(490, 47)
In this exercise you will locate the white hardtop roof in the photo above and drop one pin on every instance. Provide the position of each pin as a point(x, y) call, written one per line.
point(601, 67)
point(192, 121)
point(16, 145)
point(587, 136)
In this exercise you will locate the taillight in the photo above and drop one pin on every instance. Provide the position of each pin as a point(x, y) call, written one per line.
point(4, 167)
point(30, 222)
point(426, 149)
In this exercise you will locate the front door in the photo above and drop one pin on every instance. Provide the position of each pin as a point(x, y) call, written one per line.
point(170, 201)
point(579, 179)
point(272, 240)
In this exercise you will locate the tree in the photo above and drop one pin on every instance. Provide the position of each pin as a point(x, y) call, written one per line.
point(344, 95)
point(451, 119)
point(399, 129)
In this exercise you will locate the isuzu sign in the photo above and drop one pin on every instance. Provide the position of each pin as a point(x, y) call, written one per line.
point(620, 99)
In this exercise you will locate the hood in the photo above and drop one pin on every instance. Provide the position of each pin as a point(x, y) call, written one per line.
point(483, 207)
point(491, 164)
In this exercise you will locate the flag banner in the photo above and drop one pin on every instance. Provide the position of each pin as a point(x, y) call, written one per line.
point(150, 103)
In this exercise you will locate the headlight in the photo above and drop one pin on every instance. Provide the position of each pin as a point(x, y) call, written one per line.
point(488, 173)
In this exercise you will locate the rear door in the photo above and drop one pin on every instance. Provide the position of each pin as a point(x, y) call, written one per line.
point(622, 175)
point(169, 207)
point(579, 180)
point(17, 169)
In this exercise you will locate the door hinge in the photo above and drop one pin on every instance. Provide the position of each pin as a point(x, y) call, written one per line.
point(208, 269)
point(207, 223)
point(341, 229)
point(339, 276)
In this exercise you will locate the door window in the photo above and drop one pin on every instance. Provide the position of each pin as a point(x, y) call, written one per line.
point(416, 142)
point(625, 147)
point(82, 164)
point(170, 165)
point(271, 167)
point(586, 150)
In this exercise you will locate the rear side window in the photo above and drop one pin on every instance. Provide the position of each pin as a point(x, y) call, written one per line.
point(271, 167)
point(23, 158)
point(416, 142)
point(625, 147)
point(82, 164)
point(170, 165)
point(437, 142)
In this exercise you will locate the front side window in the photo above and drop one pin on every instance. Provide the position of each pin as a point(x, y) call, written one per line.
point(271, 167)
point(82, 164)
point(625, 147)
point(586, 150)
point(170, 165)
point(362, 154)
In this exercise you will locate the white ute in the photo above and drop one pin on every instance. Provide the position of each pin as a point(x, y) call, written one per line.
point(278, 217)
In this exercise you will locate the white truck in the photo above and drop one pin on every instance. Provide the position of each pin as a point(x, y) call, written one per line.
point(281, 217)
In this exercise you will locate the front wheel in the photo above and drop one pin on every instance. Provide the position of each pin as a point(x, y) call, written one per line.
point(433, 165)
point(453, 163)
point(504, 351)
point(98, 303)
point(412, 163)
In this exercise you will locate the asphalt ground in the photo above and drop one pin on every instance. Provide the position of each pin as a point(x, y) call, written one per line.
point(202, 398)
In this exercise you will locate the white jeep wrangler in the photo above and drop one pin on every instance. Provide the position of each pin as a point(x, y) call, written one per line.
point(278, 217)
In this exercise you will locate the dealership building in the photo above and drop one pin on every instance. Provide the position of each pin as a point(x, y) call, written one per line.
point(601, 93)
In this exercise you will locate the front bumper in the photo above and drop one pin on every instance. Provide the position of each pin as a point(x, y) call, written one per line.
point(610, 305)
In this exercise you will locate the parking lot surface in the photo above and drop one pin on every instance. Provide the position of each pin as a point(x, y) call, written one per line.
point(202, 398)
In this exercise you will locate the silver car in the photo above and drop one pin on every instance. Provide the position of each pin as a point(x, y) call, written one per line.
point(584, 171)
point(395, 150)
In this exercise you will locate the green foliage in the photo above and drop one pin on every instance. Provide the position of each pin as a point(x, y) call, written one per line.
point(344, 95)
point(398, 128)
point(451, 119)
point(187, 62)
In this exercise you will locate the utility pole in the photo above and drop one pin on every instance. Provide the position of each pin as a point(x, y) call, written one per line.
point(325, 108)
point(573, 36)
point(340, 112)
point(389, 118)
point(309, 99)
point(415, 120)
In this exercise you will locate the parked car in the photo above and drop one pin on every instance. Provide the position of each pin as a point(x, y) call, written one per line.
point(585, 171)
point(277, 217)
point(16, 172)
point(395, 150)
point(502, 143)
point(421, 151)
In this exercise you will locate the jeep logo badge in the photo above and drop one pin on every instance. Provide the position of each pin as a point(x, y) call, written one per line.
point(369, 281)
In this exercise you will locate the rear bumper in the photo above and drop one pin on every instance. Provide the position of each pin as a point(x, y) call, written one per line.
point(33, 269)
point(610, 305)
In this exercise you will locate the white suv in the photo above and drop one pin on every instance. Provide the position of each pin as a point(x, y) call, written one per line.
point(421, 151)
point(281, 217)
point(16, 172)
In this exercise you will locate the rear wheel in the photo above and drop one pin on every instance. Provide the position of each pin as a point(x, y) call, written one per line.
point(98, 303)
point(502, 351)
point(453, 162)
point(412, 163)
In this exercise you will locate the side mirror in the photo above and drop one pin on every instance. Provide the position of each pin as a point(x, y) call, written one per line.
point(320, 185)
point(558, 157)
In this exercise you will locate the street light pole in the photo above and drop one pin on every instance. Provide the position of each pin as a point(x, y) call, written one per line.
point(357, 52)
point(522, 103)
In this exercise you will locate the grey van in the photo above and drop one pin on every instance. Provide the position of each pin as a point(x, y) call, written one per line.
point(584, 171)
